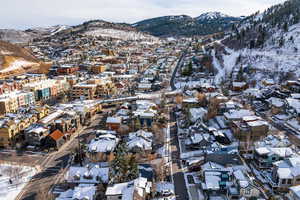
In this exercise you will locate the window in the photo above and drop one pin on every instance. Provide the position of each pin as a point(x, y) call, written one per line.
point(247, 192)
point(289, 181)
point(283, 181)
point(273, 158)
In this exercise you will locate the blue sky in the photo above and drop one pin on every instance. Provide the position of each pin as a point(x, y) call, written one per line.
point(23, 14)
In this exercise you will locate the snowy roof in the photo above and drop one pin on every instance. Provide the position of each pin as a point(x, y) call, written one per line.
point(140, 142)
point(197, 113)
point(276, 102)
point(284, 173)
point(145, 113)
point(39, 129)
point(212, 166)
point(288, 168)
point(144, 86)
point(86, 193)
point(190, 100)
point(52, 117)
point(296, 190)
point(251, 118)
point(144, 104)
point(116, 189)
point(262, 151)
point(295, 95)
point(258, 123)
point(196, 138)
point(104, 143)
point(141, 185)
point(212, 181)
point(294, 103)
point(87, 174)
point(114, 120)
point(141, 133)
point(237, 114)
point(274, 141)
point(280, 151)
point(239, 84)
point(165, 186)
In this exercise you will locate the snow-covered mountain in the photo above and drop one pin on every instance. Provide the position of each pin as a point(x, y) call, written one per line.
point(266, 45)
point(184, 25)
point(212, 16)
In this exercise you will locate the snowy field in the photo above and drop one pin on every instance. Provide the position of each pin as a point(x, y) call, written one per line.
point(13, 179)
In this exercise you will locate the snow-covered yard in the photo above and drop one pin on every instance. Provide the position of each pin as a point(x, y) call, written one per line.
point(13, 179)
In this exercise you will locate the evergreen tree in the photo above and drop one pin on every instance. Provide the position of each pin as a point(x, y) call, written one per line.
point(124, 167)
point(285, 27)
point(281, 41)
point(240, 74)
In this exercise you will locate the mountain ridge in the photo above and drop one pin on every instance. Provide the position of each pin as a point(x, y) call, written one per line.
point(184, 25)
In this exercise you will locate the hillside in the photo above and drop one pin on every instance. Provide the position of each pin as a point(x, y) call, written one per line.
point(15, 60)
point(104, 29)
point(20, 36)
point(15, 36)
point(183, 25)
point(264, 45)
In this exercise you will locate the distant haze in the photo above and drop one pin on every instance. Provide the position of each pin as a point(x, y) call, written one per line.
point(22, 14)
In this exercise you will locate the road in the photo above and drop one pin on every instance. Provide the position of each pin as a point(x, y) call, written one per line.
point(179, 64)
point(181, 190)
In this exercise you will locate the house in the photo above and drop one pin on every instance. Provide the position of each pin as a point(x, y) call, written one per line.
point(113, 123)
point(67, 69)
point(268, 82)
point(85, 192)
point(293, 106)
point(55, 140)
point(197, 114)
point(285, 173)
point(84, 91)
point(190, 102)
point(97, 69)
point(198, 141)
point(239, 86)
point(276, 104)
point(243, 185)
point(8, 132)
point(69, 122)
point(249, 130)
point(81, 192)
point(140, 142)
point(90, 174)
point(35, 134)
point(264, 157)
point(144, 87)
point(101, 148)
point(237, 115)
point(139, 188)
